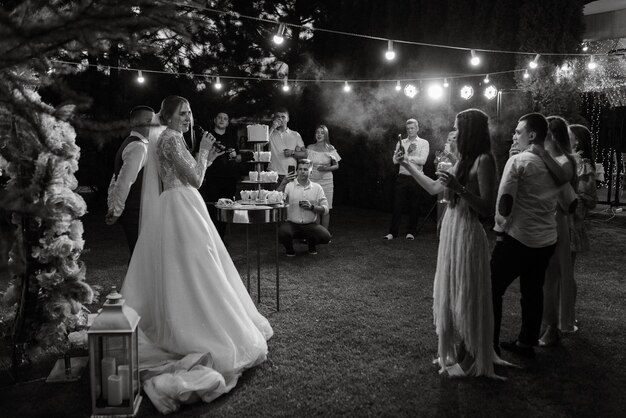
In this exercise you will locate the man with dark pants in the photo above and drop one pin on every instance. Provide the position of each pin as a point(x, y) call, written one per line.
point(124, 196)
point(407, 193)
point(526, 231)
point(220, 179)
point(306, 201)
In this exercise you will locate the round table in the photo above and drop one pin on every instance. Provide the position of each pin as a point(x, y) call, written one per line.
point(256, 215)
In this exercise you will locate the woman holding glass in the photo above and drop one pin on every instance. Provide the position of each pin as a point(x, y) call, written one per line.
point(462, 307)
point(324, 160)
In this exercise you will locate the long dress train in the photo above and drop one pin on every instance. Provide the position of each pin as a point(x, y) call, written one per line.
point(199, 327)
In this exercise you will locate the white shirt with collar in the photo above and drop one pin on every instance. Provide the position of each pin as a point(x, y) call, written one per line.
point(133, 160)
point(295, 192)
point(279, 142)
point(415, 152)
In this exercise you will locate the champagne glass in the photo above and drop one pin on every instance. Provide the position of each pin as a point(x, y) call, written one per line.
point(444, 165)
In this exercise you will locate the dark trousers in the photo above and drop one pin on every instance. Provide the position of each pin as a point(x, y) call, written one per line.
point(215, 188)
point(130, 224)
point(511, 259)
point(407, 195)
point(313, 233)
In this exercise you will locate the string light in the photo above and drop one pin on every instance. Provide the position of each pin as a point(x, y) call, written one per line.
point(435, 91)
point(218, 84)
point(486, 79)
point(445, 83)
point(390, 55)
point(286, 87)
point(398, 86)
point(526, 74)
point(475, 60)
point(467, 92)
point(346, 87)
point(585, 47)
point(592, 63)
point(279, 36)
point(534, 63)
point(491, 92)
point(410, 91)
point(140, 78)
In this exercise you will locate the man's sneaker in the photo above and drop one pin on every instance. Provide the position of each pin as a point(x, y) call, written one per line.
point(312, 250)
point(290, 252)
point(388, 237)
point(410, 237)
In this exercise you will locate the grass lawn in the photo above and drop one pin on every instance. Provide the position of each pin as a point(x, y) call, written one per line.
point(354, 335)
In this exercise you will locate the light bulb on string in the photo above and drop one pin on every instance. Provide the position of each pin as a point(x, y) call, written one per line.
point(535, 62)
point(592, 63)
point(285, 87)
point(486, 79)
point(398, 86)
point(346, 87)
point(279, 36)
point(526, 75)
point(218, 84)
point(585, 47)
point(390, 55)
point(435, 91)
point(140, 78)
point(445, 83)
point(475, 60)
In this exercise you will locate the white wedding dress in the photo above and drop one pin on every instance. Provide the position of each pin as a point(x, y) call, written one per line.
point(199, 328)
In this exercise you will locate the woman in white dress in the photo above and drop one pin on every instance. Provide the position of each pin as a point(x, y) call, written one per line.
point(462, 308)
point(199, 328)
point(324, 159)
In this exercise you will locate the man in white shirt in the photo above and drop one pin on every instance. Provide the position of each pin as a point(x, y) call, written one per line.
point(407, 193)
point(286, 146)
point(526, 229)
point(125, 188)
point(306, 201)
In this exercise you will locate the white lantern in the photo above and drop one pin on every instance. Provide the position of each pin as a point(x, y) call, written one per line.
point(114, 359)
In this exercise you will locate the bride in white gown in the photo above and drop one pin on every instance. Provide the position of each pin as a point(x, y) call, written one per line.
point(199, 328)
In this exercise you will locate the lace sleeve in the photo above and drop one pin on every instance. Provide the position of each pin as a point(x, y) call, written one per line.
point(186, 167)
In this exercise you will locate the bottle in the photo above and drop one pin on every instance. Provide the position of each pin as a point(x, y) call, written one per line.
point(400, 147)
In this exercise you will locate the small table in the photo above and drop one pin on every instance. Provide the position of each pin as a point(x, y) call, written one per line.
point(256, 215)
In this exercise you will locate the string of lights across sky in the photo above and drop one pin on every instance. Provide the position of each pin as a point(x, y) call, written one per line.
point(435, 89)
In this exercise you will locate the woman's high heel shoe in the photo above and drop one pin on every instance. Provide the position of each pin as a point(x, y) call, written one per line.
point(550, 338)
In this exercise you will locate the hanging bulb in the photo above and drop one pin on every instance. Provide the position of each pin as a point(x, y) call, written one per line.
point(140, 78)
point(475, 60)
point(390, 55)
point(486, 79)
point(534, 63)
point(278, 38)
point(286, 87)
point(445, 83)
point(592, 64)
point(526, 74)
point(218, 84)
point(585, 47)
point(398, 86)
point(346, 87)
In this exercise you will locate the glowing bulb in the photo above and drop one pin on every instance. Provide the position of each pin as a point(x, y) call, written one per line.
point(475, 60)
point(526, 75)
point(410, 91)
point(491, 92)
point(534, 63)
point(398, 86)
point(467, 92)
point(278, 38)
point(346, 87)
point(592, 64)
point(140, 78)
point(435, 92)
point(445, 83)
point(585, 47)
point(486, 79)
point(286, 87)
point(390, 55)
point(218, 84)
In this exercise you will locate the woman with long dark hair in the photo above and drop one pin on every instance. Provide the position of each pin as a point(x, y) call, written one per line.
point(462, 307)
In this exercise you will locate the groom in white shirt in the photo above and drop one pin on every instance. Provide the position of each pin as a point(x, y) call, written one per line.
point(125, 188)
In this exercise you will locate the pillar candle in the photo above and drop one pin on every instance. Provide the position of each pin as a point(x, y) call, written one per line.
point(124, 373)
point(108, 369)
point(114, 389)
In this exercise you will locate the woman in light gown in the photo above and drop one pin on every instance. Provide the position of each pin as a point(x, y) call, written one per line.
point(199, 328)
point(325, 160)
point(462, 308)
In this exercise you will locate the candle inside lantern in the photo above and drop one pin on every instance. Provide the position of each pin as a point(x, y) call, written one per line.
point(114, 389)
point(124, 373)
point(108, 369)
